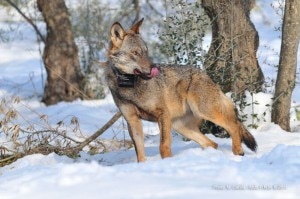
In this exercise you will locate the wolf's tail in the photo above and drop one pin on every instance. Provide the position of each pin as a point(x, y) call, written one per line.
point(248, 139)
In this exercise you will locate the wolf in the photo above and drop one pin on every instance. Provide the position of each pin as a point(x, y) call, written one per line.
point(178, 97)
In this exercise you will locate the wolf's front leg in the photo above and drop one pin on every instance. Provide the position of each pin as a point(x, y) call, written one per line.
point(164, 123)
point(137, 136)
point(135, 130)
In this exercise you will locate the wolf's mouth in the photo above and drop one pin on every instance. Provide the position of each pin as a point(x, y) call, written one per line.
point(153, 73)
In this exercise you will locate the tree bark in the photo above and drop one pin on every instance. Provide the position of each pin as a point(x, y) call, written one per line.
point(286, 76)
point(64, 77)
point(231, 60)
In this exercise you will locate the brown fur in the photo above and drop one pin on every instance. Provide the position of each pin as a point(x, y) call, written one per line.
point(180, 97)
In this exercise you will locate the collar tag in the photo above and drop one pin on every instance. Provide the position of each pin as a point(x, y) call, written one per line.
point(126, 80)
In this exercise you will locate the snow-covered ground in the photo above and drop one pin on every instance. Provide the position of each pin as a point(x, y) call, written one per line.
point(272, 172)
point(192, 173)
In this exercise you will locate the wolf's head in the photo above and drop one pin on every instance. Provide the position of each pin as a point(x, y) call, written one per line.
point(129, 53)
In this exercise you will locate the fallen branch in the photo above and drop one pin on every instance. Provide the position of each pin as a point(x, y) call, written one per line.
point(69, 151)
point(99, 132)
point(9, 159)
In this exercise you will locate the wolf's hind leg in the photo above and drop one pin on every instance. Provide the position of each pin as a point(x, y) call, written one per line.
point(226, 118)
point(188, 126)
point(221, 112)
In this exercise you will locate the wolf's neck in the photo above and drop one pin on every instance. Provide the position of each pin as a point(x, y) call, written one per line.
point(124, 80)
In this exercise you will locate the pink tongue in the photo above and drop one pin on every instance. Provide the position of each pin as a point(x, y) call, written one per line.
point(154, 72)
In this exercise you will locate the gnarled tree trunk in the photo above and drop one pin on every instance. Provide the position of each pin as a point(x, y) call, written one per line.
point(231, 60)
point(60, 54)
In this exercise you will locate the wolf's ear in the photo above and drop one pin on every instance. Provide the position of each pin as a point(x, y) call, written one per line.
point(136, 27)
point(117, 34)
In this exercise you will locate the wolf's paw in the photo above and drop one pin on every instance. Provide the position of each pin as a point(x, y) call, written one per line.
point(238, 152)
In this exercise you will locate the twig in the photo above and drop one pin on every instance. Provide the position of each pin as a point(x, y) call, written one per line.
point(27, 19)
point(152, 8)
point(50, 131)
point(99, 132)
point(11, 158)
point(8, 158)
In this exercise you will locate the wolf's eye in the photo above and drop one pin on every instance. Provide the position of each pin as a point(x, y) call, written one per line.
point(136, 53)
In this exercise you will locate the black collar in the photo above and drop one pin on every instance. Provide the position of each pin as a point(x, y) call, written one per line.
point(124, 80)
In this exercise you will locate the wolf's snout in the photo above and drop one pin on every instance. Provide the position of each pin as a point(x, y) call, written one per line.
point(153, 73)
point(137, 71)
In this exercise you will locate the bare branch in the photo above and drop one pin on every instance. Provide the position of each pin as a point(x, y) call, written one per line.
point(50, 131)
point(152, 8)
point(99, 132)
point(38, 32)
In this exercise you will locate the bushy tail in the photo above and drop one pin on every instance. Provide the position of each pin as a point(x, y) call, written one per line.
point(248, 139)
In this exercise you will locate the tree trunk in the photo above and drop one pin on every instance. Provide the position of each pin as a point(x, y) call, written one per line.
point(137, 9)
point(286, 76)
point(231, 60)
point(60, 54)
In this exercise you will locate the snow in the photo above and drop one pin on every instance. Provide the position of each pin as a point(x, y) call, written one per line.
point(272, 172)
point(191, 173)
